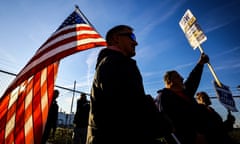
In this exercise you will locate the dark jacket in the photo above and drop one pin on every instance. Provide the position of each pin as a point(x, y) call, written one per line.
point(51, 121)
point(82, 113)
point(212, 126)
point(120, 111)
point(182, 110)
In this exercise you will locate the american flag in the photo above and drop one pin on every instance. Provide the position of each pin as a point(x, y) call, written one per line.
point(24, 105)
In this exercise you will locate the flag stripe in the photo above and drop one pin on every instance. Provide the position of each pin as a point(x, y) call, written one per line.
point(3, 116)
point(19, 131)
point(69, 31)
point(11, 114)
point(37, 117)
point(66, 37)
point(64, 48)
point(44, 99)
point(73, 43)
point(28, 127)
point(9, 129)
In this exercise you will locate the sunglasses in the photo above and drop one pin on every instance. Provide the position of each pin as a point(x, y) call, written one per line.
point(130, 35)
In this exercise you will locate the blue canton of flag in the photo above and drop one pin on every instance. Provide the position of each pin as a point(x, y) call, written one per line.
point(73, 19)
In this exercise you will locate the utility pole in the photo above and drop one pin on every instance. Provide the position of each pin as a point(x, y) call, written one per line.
point(74, 87)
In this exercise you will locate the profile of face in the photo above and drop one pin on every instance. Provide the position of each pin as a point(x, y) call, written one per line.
point(203, 98)
point(127, 42)
point(174, 80)
point(200, 100)
point(56, 93)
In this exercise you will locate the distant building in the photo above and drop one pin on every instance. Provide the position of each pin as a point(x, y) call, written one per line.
point(65, 120)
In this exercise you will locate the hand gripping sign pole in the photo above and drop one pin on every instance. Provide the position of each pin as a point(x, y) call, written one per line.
point(195, 37)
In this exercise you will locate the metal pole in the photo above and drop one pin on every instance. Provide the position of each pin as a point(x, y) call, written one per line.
point(76, 91)
point(72, 101)
point(211, 69)
point(13, 74)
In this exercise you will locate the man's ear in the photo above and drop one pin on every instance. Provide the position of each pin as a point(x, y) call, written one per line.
point(115, 39)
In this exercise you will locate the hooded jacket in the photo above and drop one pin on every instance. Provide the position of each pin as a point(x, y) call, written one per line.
point(120, 110)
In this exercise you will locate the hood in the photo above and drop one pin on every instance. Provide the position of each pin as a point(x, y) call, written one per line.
point(106, 52)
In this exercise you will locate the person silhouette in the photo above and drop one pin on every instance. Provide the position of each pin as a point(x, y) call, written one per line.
point(120, 110)
point(178, 102)
point(229, 122)
point(211, 122)
point(51, 124)
point(81, 120)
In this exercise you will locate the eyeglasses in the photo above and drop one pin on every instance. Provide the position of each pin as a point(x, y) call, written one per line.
point(130, 35)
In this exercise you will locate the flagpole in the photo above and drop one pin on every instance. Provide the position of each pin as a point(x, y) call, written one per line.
point(211, 68)
point(85, 18)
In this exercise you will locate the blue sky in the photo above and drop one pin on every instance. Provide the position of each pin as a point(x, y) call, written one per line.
point(25, 25)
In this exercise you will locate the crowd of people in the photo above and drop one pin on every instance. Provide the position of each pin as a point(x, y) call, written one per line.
point(120, 112)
